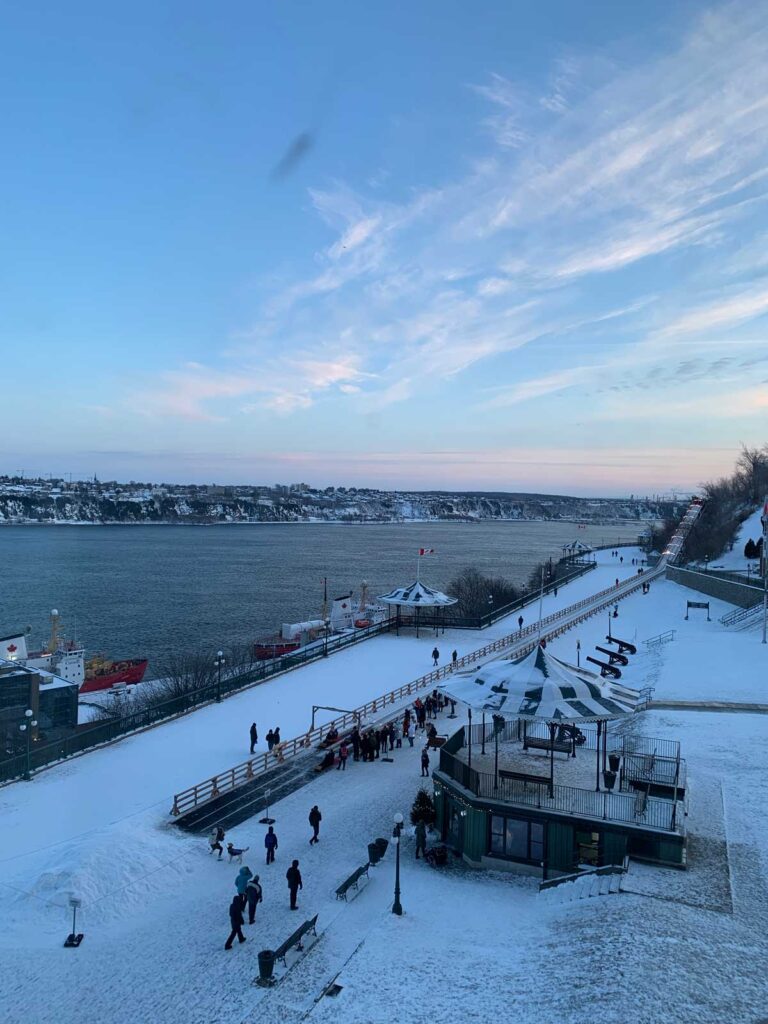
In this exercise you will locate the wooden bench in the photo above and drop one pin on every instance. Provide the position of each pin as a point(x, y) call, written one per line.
point(352, 882)
point(542, 743)
point(295, 940)
point(538, 780)
point(435, 742)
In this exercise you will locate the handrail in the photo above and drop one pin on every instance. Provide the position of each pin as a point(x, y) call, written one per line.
point(660, 638)
point(561, 621)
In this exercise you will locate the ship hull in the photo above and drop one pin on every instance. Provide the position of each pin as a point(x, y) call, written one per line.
point(129, 671)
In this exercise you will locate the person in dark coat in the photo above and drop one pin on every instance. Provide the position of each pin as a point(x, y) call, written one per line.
point(454, 658)
point(356, 744)
point(315, 817)
point(343, 755)
point(425, 762)
point(435, 657)
point(216, 840)
point(276, 736)
point(520, 622)
point(270, 739)
point(270, 841)
point(294, 882)
point(236, 920)
point(391, 735)
point(254, 896)
point(254, 736)
point(421, 838)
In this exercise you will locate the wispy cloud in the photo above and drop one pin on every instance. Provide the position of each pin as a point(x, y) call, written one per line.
point(603, 187)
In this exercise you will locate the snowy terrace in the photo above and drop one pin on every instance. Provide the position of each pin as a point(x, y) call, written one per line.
point(520, 776)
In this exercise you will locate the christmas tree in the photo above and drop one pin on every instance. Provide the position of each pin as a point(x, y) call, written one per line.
point(423, 809)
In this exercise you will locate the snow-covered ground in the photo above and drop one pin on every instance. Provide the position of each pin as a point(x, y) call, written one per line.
point(681, 946)
point(750, 529)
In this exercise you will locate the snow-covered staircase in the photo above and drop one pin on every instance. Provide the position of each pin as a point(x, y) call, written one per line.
point(603, 881)
point(743, 618)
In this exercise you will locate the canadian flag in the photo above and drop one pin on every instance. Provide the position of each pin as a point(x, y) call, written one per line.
point(426, 551)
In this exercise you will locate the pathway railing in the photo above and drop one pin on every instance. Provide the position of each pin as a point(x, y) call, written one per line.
point(661, 638)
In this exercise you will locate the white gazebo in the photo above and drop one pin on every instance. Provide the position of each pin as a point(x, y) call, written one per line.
point(540, 688)
point(415, 597)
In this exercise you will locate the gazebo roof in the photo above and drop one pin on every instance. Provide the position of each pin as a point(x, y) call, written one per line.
point(540, 687)
point(418, 595)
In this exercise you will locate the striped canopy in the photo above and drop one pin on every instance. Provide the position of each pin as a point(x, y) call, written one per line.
point(540, 687)
point(418, 595)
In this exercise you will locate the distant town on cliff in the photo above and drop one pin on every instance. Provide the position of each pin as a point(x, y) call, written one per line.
point(30, 501)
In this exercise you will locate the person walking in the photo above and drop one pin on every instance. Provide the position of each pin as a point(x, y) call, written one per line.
point(343, 755)
point(425, 762)
point(435, 657)
point(254, 736)
point(356, 744)
point(270, 841)
point(411, 732)
point(421, 838)
point(454, 659)
point(276, 736)
point(254, 896)
point(270, 740)
point(216, 840)
point(315, 817)
point(520, 622)
point(236, 920)
point(294, 882)
point(241, 883)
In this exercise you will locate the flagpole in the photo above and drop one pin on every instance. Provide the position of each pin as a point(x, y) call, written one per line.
point(541, 601)
point(418, 566)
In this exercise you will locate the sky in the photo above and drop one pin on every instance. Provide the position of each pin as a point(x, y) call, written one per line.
point(509, 246)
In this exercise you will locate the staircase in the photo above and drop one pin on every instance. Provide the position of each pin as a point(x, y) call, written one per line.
point(742, 618)
point(604, 881)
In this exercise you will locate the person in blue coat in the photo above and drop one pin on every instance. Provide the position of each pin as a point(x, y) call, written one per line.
point(241, 883)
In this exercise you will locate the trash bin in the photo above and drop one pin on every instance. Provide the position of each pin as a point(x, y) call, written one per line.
point(266, 966)
point(374, 854)
point(613, 762)
point(609, 778)
point(382, 845)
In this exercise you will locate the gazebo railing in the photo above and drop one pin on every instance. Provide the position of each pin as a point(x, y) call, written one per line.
point(652, 812)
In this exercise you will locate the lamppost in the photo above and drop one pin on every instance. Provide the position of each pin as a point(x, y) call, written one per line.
point(490, 607)
point(397, 906)
point(219, 662)
point(26, 728)
point(706, 563)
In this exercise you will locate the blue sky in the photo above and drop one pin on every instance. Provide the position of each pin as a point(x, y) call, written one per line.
point(520, 246)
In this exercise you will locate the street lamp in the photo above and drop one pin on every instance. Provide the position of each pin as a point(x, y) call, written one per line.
point(26, 728)
point(397, 906)
point(219, 661)
point(706, 563)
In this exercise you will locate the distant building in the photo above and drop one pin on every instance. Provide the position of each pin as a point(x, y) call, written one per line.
point(52, 700)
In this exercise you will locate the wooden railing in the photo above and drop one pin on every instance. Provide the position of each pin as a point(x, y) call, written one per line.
point(550, 627)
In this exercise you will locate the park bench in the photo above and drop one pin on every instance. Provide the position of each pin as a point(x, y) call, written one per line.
point(436, 742)
point(295, 940)
point(542, 743)
point(538, 780)
point(352, 882)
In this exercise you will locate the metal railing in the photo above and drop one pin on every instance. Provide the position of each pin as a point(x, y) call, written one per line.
point(741, 614)
point(603, 805)
point(661, 638)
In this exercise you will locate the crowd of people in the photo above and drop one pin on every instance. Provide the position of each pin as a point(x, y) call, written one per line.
point(366, 745)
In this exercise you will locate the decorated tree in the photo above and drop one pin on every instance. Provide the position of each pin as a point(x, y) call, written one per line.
point(423, 809)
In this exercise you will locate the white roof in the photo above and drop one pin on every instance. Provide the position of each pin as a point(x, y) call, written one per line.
point(540, 686)
point(418, 595)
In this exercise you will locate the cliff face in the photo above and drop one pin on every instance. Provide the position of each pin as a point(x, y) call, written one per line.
point(92, 504)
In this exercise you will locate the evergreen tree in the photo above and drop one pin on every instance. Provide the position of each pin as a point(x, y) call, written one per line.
point(423, 809)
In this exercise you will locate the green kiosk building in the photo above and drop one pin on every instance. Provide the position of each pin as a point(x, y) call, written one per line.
point(542, 784)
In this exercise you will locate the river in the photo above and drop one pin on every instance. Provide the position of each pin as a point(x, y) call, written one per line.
point(144, 590)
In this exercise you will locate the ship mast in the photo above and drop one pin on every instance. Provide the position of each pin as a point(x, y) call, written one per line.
point(54, 630)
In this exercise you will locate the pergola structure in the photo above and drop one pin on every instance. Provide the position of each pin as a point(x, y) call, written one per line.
point(540, 688)
point(415, 597)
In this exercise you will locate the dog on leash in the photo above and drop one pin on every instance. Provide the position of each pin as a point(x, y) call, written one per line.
point(235, 853)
